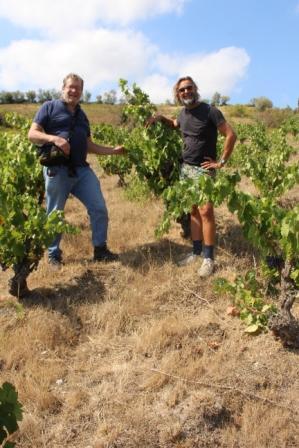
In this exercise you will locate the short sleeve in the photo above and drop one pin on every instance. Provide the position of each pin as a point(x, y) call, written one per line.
point(179, 119)
point(42, 115)
point(216, 116)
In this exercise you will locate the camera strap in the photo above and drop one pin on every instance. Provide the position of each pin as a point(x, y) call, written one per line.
point(74, 116)
point(73, 122)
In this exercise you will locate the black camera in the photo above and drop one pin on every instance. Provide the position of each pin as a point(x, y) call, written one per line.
point(51, 155)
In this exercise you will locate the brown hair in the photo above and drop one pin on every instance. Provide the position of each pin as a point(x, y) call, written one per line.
point(176, 88)
point(72, 76)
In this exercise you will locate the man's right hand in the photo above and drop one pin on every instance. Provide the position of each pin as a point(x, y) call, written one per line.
point(152, 120)
point(168, 121)
point(62, 143)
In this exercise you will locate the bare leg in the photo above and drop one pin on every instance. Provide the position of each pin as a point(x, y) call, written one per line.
point(196, 224)
point(209, 236)
point(208, 224)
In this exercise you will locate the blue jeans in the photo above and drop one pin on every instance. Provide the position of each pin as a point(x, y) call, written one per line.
point(86, 187)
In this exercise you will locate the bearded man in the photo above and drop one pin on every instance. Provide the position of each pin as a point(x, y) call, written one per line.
point(199, 124)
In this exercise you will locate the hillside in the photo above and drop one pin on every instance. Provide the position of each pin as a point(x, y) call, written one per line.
point(142, 353)
point(106, 113)
point(97, 113)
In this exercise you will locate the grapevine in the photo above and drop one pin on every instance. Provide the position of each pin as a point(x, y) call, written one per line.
point(25, 228)
point(152, 151)
point(264, 157)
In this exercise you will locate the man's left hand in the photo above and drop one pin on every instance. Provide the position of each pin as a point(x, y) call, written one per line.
point(211, 164)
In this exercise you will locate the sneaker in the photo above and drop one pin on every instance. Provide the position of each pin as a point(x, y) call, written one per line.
point(102, 253)
point(206, 268)
point(189, 259)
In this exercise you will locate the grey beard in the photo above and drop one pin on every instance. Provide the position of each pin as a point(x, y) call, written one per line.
point(188, 101)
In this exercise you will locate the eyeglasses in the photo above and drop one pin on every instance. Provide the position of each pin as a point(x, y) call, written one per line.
point(188, 88)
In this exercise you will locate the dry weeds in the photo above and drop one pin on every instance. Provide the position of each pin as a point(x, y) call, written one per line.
point(141, 353)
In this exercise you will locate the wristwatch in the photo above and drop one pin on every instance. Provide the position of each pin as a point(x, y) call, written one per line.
point(222, 162)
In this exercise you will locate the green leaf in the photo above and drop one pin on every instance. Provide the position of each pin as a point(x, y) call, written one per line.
point(254, 328)
point(10, 411)
point(247, 317)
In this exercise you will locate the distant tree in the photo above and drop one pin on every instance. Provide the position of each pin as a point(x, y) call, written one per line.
point(30, 96)
point(122, 100)
point(43, 95)
point(109, 97)
point(18, 97)
point(99, 99)
point(215, 101)
point(262, 103)
point(86, 96)
point(224, 100)
point(55, 94)
point(6, 97)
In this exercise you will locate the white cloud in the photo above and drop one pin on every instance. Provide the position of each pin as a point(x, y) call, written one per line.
point(219, 71)
point(64, 16)
point(98, 56)
point(158, 87)
point(104, 56)
point(170, 64)
point(73, 41)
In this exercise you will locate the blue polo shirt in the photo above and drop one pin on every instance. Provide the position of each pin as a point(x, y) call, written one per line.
point(55, 119)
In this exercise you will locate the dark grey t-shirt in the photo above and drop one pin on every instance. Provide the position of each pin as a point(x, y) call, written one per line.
point(199, 131)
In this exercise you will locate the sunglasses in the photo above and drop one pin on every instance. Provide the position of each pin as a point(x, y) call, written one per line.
point(188, 88)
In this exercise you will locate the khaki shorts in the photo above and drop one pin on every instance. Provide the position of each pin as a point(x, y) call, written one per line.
point(194, 172)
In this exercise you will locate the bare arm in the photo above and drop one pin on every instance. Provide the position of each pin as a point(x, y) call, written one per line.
point(168, 121)
point(94, 148)
point(229, 143)
point(230, 139)
point(38, 136)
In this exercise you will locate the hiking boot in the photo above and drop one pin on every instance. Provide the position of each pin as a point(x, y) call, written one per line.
point(206, 268)
point(102, 253)
point(189, 259)
point(18, 288)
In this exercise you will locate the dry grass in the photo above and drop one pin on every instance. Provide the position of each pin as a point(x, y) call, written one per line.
point(141, 353)
point(27, 110)
point(107, 113)
point(97, 113)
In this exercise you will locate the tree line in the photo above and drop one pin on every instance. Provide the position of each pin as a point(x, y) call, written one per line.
point(110, 97)
point(42, 95)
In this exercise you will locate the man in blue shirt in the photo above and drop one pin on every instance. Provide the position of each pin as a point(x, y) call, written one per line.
point(64, 124)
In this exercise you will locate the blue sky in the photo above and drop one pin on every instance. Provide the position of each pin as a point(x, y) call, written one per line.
point(243, 49)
